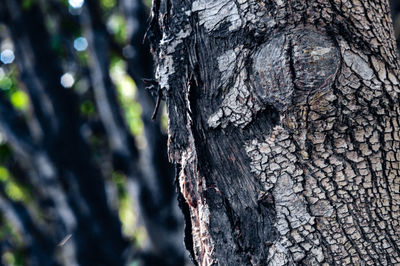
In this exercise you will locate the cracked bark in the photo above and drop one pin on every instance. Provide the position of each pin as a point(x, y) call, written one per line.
point(284, 123)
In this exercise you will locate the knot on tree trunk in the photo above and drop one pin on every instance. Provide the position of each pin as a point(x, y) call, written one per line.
point(290, 67)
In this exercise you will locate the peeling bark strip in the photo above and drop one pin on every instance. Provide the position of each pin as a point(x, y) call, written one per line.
point(284, 116)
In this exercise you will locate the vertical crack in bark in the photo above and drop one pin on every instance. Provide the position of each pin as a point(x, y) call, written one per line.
point(184, 206)
point(235, 225)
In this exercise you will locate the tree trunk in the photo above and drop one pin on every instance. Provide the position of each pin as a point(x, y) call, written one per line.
point(284, 123)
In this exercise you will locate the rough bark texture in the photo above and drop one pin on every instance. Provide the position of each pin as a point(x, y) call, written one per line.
point(284, 122)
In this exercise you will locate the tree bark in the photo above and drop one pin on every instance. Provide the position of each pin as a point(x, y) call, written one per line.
point(284, 123)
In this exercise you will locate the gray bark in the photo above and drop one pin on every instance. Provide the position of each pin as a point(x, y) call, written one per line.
point(284, 123)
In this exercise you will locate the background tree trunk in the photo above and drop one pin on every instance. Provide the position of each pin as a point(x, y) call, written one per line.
point(395, 10)
point(79, 171)
point(284, 124)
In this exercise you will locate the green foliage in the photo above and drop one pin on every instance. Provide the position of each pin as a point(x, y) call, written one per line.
point(7, 230)
point(83, 58)
point(12, 189)
point(87, 108)
point(107, 5)
point(9, 86)
point(14, 257)
point(117, 25)
point(61, 29)
point(27, 4)
point(126, 211)
point(6, 84)
point(19, 100)
point(126, 89)
point(133, 112)
point(4, 175)
point(139, 238)
point(64, 2)
point(148, 3)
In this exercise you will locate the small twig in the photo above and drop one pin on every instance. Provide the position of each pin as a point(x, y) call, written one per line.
point(159, 96)
point(65, 239)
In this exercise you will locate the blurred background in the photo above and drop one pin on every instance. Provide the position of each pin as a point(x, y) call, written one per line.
point(84, 174)
point(395, 10)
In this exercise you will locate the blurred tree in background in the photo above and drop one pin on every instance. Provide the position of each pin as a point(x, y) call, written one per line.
point(84, 174)
point(395, 8)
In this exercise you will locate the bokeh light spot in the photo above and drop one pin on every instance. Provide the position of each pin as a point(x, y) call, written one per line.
point(6, 83)
point(14, 192)
point(19, 100)
point(76, 3)
point(80, 44)
point(4, 175)
point(7, 56)
point(67, 80)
